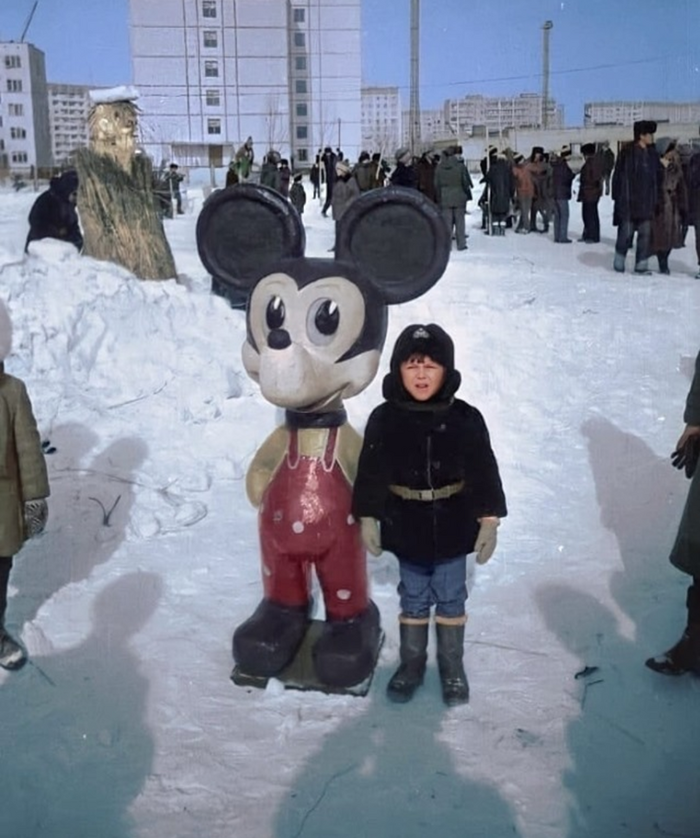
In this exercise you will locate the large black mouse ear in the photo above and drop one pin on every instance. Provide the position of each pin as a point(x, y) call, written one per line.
point(243, 229)
point(398, 240)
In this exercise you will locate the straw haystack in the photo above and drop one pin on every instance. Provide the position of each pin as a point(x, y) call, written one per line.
point(117, 212)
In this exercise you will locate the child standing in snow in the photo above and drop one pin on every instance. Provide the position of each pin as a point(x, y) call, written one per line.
point(24, 484)
point(428, 490)
point(297, 195)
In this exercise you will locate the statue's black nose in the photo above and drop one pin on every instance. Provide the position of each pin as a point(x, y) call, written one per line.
point(279, 339)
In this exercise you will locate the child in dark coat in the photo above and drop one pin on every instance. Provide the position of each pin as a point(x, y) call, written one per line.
point(428, 490)
point(24, 486)
point(297, 195)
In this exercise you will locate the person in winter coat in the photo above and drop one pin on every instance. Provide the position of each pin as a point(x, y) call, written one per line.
point(635, 191)
point(685, 554)
point(428, 490)
point(562, 178)
point(24, 484)
point(541, 174)
point(524, 192)
point(404, 174)
point(328, 161)
point(500, 189)
point(452, 189)
point(378, 170)
point(693, 184)
point(425, 175)
point(53, 215)
point(363, 172)
point(243, 160)
point(269, 171)
point(173, 180)
point(667, 224)
point(315, 179)
point(297, 195)
point(345, 190)
point(590, 190)
point(285, 178)
point(607, 163)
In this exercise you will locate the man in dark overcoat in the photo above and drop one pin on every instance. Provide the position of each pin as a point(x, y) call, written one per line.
point(53, 215)
point(635, 191)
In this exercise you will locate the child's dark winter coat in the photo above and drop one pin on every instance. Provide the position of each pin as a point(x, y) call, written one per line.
point(297, 196)
point(427, 446)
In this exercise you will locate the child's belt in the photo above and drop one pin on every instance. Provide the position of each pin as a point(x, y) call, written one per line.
point(427, 494)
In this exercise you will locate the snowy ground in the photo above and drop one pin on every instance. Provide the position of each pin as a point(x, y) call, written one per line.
point(126, 725)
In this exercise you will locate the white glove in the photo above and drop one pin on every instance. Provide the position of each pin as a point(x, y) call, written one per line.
point(485, 542)
point(36, 514)
point(371, 536)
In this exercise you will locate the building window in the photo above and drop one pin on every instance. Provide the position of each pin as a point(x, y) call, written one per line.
point(300, 85)
point(302, 109)
point(19, 157)
point(15, 110)
point(12, 61)
point(299, 15)
point(213, 126)
point(302, 132)
point(18, 134)
point(211, 69)
point(213, 98)
point(300, 62)
point(211, 38)
point(302, 155)
point(299, 39)
point(14, 85)
point(208, 8)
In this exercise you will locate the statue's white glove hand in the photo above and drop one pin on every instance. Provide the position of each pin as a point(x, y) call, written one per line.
point(485, 543)
point(371, 536)
point(36, 514)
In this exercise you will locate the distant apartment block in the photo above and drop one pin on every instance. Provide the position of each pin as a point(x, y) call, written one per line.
point(25, 139)
point(432, 128)
point(210, 73)
point(477, 114)
point(626, 113)
point(69, 107)
point(381, 119)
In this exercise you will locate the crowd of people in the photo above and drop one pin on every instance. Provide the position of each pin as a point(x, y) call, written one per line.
point(655, 187)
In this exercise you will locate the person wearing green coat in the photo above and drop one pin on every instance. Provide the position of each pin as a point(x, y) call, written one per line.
point(453, 189)
point(685, 554)
point(24, 484)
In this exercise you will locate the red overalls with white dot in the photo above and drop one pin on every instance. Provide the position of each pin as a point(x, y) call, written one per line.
point(305, 519)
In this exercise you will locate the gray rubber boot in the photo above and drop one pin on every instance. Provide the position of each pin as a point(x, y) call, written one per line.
point(409, 676)
point(450, 652)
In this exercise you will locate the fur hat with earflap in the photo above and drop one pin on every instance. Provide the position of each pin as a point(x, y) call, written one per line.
point(422, 340)
point(5, 333)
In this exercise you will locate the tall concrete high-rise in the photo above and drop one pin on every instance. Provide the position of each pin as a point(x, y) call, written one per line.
point(25, 140)
point(211, 73)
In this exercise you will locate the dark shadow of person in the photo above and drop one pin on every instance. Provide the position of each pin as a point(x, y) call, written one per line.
point(89, 511)
point(641, 498)
point(633, 739)
point(75, 746)
point(387, 774)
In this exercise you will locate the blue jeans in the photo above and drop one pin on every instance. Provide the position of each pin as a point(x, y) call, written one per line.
point(443, 585)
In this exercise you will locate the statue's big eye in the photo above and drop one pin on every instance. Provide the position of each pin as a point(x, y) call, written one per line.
point(322, 321)
point(275, 313)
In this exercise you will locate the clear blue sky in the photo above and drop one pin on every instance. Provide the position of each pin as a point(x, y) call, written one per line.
point(600, 49)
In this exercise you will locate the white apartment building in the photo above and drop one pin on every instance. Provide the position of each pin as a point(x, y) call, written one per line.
point(492, 114)
point(627, 113)
point(25, 140)
point(69, 107)
point(211, 73)
point(433, 128)
point(381, 120)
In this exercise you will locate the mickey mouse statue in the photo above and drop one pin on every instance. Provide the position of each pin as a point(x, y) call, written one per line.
point(315, 331)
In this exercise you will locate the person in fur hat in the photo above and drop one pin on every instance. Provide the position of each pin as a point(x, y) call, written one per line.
point(53, 214)
point(428, 490)
point(24, 487)
point(635, 191)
